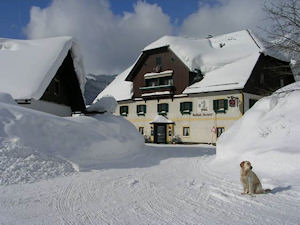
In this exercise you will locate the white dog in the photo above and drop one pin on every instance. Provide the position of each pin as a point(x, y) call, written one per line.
point(250, 181)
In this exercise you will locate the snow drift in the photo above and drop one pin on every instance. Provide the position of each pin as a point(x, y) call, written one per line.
point(36, 145)
point(268, 136)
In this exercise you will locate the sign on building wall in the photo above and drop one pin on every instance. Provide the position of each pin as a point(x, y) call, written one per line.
point(203, 105)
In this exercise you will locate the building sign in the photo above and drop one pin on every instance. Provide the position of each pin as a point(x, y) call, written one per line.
point(202, 105)
point(233, 101)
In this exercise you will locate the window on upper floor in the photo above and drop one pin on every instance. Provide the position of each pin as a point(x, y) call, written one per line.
point(186, 107)
point(158, 61)
point(141, 110)
point(220, 105)
point(162, 108)
point(124, 110)
point(160, 81)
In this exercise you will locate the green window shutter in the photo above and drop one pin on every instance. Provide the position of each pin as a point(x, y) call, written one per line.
point(120, 110)
point(126, 109)
point(225, 104)
point(215, 105)
point(145, 108)
point(167, 107)
point(158, 108)
point(191, 106)
point(137, 109)
point(181, 107)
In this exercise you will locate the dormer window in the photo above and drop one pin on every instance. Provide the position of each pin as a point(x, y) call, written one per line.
point(158, 80)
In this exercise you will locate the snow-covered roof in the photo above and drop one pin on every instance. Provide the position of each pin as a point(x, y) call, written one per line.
point(28, 66)
point(210, 53)
point(118, 88)
point(226, 61)
point(161, 119)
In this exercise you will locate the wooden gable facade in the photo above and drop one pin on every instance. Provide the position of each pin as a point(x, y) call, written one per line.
point(64, 88)
point(155, 61)
point(268, 75)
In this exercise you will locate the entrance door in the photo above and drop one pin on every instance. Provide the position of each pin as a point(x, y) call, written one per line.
point(160, 133)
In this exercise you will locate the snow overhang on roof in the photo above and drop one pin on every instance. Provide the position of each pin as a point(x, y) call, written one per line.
point(166, 73)
point(28, 66)
point(161, 119)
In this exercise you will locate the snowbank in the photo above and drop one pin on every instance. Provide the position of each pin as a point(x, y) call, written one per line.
point(268, 136)
point(36, 145)
point(105, 104)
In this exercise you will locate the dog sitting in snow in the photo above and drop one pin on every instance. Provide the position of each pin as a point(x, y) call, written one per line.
point(250, 181)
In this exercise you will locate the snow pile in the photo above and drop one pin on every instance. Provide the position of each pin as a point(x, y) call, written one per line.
point(267, 135)
point(28, 66)
point(105, 104)
point(6, 98)
point(36, 145)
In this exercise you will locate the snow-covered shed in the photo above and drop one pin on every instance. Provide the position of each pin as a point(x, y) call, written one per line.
point(43, 74)
point(202, 85)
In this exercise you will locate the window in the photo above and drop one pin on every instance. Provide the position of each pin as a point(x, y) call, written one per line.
point(220, 105)
point(186, 131)
point(141, 110)
point(186, 107)
point(158, 61)
point(124, 110)
point(163, 108)
point(252, 102)
point(220, 130)
point(56, 87)
point(141, 130)
point(159, 81)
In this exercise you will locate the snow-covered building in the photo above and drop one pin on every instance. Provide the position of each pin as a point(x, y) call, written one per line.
point(43, 74)
point(199, 87)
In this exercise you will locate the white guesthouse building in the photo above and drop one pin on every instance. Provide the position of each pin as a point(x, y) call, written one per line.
point(194, 89)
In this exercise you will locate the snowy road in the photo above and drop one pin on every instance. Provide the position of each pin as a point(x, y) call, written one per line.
point(168, 185)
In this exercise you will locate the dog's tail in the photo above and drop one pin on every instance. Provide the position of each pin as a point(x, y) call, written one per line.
point(267, 191)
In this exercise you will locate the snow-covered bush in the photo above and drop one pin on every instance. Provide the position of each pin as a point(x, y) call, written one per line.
point(147, 139)
point(104, 104)
point(176, 139)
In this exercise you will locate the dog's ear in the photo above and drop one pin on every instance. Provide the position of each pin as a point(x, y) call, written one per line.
point(242, 164)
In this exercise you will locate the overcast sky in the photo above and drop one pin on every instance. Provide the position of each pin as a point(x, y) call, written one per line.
point(112, 33)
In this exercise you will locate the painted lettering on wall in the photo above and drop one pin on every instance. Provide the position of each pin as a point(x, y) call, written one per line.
point(202, 105)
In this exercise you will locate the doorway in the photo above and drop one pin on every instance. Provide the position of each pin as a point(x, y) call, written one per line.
point(160, 133)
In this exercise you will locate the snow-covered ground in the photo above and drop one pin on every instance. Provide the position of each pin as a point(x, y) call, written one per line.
point(165, 185)
point(96, 170)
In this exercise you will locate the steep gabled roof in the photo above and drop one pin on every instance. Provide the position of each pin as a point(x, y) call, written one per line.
point(28, 66)
point(226, 61)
